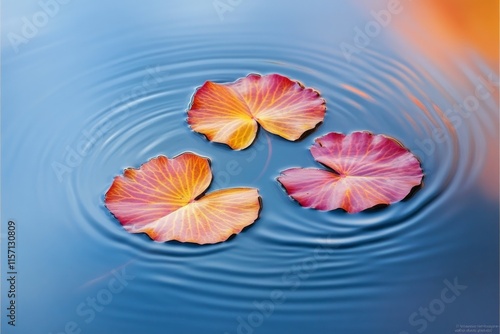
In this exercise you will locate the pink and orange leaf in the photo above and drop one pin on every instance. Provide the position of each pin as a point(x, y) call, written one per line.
point(231, 113)
point(364, 170)
point(165, 199)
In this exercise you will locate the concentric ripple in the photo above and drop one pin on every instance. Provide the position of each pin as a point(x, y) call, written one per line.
point(139, 111)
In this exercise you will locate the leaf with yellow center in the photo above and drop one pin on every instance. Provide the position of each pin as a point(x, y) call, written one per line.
point(163, 198)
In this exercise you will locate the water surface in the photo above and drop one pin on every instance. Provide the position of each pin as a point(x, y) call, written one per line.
point(114, 80)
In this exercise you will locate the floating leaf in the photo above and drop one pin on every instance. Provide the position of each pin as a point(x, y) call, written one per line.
point(163, 198)
point(366, 170)
point(230, 113)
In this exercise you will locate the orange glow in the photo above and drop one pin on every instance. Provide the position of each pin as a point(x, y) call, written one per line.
point(453, 26)
point(448, 30)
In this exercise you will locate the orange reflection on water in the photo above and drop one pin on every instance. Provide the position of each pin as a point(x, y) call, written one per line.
point(440, 27)
point(449, 33)
point(357, 91)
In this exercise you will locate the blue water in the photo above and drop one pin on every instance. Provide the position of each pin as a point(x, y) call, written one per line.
point(113, 81)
